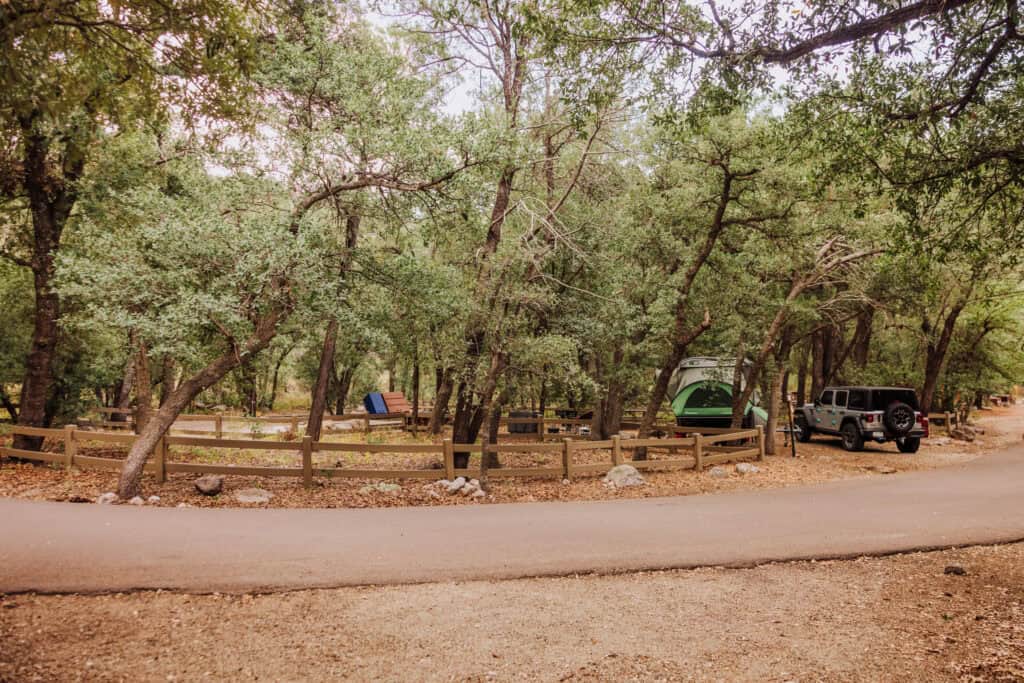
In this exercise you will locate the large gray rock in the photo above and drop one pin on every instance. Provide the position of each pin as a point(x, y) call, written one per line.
point(747, 468)
point(210, 485)
point(137, 500)
point(107, 498)
point(718, 472)
point(454, 487)
point(380, 487)
point(253, 496)
point(622, 476)
point(964, 433)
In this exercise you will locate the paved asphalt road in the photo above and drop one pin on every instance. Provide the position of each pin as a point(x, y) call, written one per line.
point(62, 547)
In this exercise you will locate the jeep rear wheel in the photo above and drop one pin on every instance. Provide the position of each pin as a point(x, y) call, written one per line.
point(802, 429)
point(852, 439)
point(908, 444)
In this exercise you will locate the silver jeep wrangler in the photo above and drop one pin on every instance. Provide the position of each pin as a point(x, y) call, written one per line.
point(859, 414)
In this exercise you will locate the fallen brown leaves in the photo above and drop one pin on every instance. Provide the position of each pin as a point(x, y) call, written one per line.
point(820, 460)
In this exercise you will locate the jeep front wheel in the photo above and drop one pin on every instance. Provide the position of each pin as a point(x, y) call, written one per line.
point(908, 444)
point(852, 439)
point(802, 429)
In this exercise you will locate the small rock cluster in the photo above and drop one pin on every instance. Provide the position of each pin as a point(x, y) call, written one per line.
point(110, 498)
point(719, 472)
point(460, 485)
point(623, 476)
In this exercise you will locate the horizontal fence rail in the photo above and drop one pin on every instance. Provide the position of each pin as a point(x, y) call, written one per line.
point(695, 451)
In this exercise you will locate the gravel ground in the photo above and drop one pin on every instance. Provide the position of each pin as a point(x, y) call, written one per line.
point(872, 619)
point(820, 460)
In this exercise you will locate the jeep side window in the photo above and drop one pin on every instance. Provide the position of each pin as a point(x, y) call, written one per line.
point(858, 400)
point(826, 398)
point(840, 399)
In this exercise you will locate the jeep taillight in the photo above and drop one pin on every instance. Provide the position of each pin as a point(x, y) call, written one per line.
point(869, 418)
point(923, 421)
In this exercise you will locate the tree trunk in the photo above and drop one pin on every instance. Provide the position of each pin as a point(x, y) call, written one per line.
point(416, 388)
point(935, 355)
point(170, 378)
point(272, 397)
point(493, 424)
point(607, 419)
point(660, 388)
point(131, 472)
point(485, 411)
point(323, 377)
point(542, 400)
point(469, 417)
point(862, 337)
point(818, 362)
point(124, 392)
point(801, 377)
point(774, 404)
point(344, 383)
point(316, 411)
point(36, 386)
point(8, 404)
point(250, 399)
point(51, 198)
point(742, 385)
point(442, 395)
point(143, 386)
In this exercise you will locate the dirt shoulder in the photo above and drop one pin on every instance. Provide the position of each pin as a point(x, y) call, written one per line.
point(872, 619)
point(818, 461)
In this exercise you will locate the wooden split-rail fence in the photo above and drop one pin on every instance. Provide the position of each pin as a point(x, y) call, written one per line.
point(539, 428)
point(695, 451)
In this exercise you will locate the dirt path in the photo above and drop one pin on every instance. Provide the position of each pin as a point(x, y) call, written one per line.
point(884, 619)
point(62, 547)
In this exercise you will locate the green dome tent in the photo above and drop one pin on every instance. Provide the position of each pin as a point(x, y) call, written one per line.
point(709, 404)
point(703, 399)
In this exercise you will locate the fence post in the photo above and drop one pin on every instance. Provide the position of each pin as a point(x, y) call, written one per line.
point(366, 423)
point(566, 458)
point(698, 452)
point(307, 461)
point(161, 460)
point(760, 443)
point(449, 459)
point(616, 450)
point(295, 425)
point(218, 421)
point(70, 445)
point(949, 425)
point(540, 429)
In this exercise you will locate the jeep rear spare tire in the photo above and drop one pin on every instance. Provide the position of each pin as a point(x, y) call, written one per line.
point(899, 418)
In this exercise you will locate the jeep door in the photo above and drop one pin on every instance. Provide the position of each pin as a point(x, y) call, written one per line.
point(823, 412)
point(839, 409)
